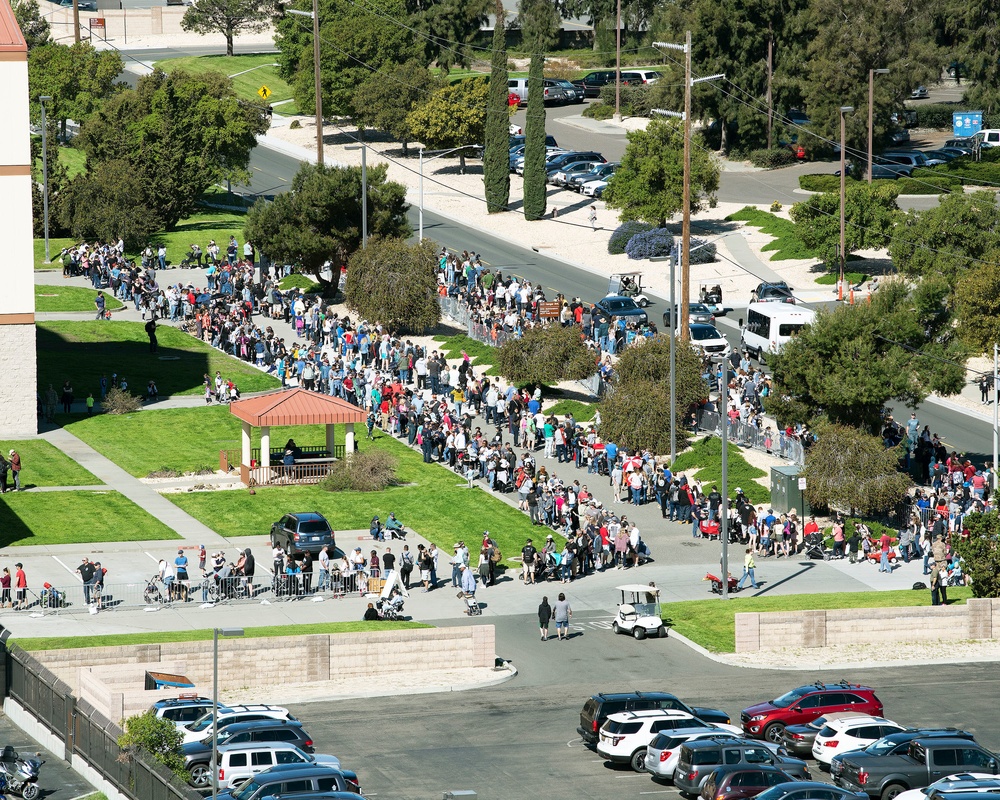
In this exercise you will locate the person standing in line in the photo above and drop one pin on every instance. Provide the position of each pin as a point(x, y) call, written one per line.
point(67, 397)
point(544, 617)
point(562, 614)
point(5, 588)
point(86, 573)
point(21, 582)
point(15, 467)
point(324, 569)
point(885, 543)
point(202, 557)
point(406, 566)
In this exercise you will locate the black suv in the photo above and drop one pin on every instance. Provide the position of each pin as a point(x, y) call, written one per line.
point(599, 707)
point(294, 780)
point(303, 532)
point(593, 81)
point(198, 755)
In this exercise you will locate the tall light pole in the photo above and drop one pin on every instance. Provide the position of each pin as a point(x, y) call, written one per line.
point(871, 114)
point(618, 63)
point(42, 100)
point(216, 633)
point(844, 110)
point(314, 14)
point(364, 190)
point(996, 417)
point(437, 154)
point(724, 521)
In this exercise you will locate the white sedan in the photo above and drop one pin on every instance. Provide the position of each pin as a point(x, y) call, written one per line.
point(964, 782)
point(852, 733)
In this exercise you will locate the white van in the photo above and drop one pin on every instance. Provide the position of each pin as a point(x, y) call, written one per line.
point(238, 762)
point(988, 137)
point(770, 325)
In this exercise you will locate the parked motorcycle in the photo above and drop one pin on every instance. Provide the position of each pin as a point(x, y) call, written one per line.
point(21, 774)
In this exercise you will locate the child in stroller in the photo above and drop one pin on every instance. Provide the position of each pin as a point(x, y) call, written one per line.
point(815, 547)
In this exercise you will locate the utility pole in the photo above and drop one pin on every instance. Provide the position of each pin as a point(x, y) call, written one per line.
point(618, 63)
point(45, 173)
point(76, 22)
point(996, 416)
point(770, 73)
point(844, 110)
point(316, 77)
point(685, 297)
point(673, 357)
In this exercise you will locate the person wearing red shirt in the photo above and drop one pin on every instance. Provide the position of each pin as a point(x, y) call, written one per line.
point(21, 582)
point(886, 544)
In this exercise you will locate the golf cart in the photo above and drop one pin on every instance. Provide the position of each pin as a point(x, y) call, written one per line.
point(628, 284)
point(639, 612)
point(711, 296)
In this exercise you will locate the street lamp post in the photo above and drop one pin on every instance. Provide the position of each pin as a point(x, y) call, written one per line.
point(724, 511)
point(844, 110)
point(45, 173)
point(364, 190)
point(216, 633)
point(314, 14)
point(871, 114)
point(438, 154)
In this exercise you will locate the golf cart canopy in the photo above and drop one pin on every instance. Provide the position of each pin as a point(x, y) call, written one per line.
point(639, 588)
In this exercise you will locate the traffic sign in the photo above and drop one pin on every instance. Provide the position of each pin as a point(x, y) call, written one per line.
point(264, 92)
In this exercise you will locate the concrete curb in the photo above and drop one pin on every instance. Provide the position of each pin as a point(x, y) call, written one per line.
point(959, 409)
point(509, 673)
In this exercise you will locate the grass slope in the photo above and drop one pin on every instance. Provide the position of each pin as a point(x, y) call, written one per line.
point(712, 624)
point(582, 412)
point(786, 245)
point(705, 456)
point(70, 298)
point(83, 351)
point(246, 86)
point(74, 518)
point(482, 355)
point(205, 635)
point(43, 464)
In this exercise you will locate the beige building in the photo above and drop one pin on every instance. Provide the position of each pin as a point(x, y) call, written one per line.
point(18, 372)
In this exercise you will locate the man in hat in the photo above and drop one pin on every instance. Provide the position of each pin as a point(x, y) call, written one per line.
point(457, 562)
point(528, 562)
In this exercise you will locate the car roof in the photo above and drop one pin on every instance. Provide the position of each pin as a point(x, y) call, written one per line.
point(935, 741)
point(279, 771)
point(704, 326)
point(314, 796)
point(722, 738)
point(832, 687)
point(183, 701)
point(225, 748)
point(626, 695)
point(254, 724)
point(649, 713)
point(857, 719)
point(725, 769)
point(307, 515)
point(970, 795)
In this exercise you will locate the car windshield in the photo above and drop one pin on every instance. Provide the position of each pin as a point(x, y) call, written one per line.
point(201, 723)
point(224, 736)
point(247, 790)
point(790, 697)
point(646, 609)
point(313, 526)
point(624, 304)
point(881, 746)
point(773, 793)
point(702, 332)
point(698, 308)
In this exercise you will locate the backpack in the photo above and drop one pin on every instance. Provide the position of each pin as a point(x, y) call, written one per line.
point(919, 585)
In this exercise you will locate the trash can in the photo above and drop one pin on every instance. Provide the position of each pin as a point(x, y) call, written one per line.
point(787, 490)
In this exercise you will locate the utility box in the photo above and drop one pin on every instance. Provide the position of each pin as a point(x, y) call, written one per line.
point(787, 491)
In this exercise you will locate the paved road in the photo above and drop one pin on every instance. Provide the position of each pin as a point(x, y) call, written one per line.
point(519, 739)
point(56, 780)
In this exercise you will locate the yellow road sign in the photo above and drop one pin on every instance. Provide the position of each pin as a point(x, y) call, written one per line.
point(264, 92)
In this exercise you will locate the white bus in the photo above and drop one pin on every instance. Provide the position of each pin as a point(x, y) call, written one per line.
point(770, 325)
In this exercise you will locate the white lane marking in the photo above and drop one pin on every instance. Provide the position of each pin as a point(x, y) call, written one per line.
point(60, 563)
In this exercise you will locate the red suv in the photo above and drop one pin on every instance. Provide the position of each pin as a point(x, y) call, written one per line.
point(803, 705)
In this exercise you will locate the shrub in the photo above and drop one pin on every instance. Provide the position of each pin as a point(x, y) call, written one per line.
point(928, 184)
point(363, 471)
point(295, 124)
point(650, 244)
point(705, 252)
point(773, 158)
point(776, 207)
point(635, 100)
point(620, 238)
point(936, 115)
point(820, 183)
point(120, 402)
point(598, 110)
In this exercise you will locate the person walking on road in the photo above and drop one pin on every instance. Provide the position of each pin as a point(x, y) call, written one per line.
point(748, 568)
point(544, 617)
point(562, 614)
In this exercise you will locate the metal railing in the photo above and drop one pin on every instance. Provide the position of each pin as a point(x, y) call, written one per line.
point(776, 443)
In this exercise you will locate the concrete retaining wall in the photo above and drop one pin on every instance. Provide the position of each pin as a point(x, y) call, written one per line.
point(978, 619)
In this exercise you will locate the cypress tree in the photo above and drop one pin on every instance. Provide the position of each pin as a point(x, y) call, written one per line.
point(496, 162)
point(534, 142)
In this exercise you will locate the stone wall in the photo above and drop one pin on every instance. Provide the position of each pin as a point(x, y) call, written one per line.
point(978, 619)
point(18, 415)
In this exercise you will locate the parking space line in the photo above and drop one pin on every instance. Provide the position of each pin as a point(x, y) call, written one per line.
point(60, 563)
point(154, 558)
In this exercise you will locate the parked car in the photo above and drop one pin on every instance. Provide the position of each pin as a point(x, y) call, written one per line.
point(514, 129)
point(962, 782)
point(664, 751)
point(239, 762)
point(623, 739)
point(740, 782)
point(301, 532)
point(808, 790)
point(883, 777)
point(572, 157)
point(697, 312)
point(574, 94)
point(594, 188)
point(697, 760)
point(517, 140)
point(562, 175)
point(550, 154)
point(777, 292)
point(805, 703)
point(290, 781)
point(920, 93)
point(592, 82)
point(229, 715)
point(853, 733)
point(988, 137)
point(599, 172)
point(553, 95)
point(798, 739)
point(650, 76)
point(903, 161)
point(941, 156)
point(599, 707)
point(618, 307)
point(181, 710)
point(198, 755)
point(965, 142)
point(899, 743)
point(708, 339)
point(899, 136)
point(955, 152)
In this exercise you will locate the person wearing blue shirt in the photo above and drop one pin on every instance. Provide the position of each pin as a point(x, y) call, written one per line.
point(611, 450)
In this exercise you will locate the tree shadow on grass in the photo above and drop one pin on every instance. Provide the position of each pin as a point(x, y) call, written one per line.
point(12, 527)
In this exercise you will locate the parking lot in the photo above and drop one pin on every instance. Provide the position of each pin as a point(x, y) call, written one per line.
point(56, 780)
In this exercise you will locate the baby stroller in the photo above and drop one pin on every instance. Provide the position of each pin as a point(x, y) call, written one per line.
point(814, 547)
point(51, 597)
point(471, 604)
point(390, 607)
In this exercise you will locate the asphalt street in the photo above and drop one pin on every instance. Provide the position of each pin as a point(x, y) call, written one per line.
point(519, 738)
point(56, 780)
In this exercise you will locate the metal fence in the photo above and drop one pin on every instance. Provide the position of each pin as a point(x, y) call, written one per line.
point(776, 443)
point(86, 733)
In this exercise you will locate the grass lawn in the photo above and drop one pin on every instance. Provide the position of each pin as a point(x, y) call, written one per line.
point(43, 464)
point(246, 85)
point(303, 282)
point(582, 412)
point(200, 228)
point(83, 351)
point(706, 457)
point(482, 355)
point(74, 518)
point(70, 298)
point(56, 245)
point(831, 278)
point(205, 635)
point(70, 157)
point(786, 244)
point(712, 623)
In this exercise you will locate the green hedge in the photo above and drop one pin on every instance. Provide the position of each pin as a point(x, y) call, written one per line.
point(820, 182)
point(773, 158)
point(936, 115)
point(599, 110)
point(635, 100)
point(928, 181)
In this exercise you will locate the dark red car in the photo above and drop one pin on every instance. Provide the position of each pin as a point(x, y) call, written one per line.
point(741, 781)
point(804, 704)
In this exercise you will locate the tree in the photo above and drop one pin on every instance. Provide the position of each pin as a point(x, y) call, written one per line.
point(977, 303)
point(974, 27)
point(539, 20)
point(357, 40)
point(181, 132)
point(636, 414)
point(648, 185)
point(77, 77)
point(448, 26)
point(870, 215)
point(981, 553)
point(57, 180)
point(319, 220)
point(948, 239)
point(496, 164)
point(850, 362)
point(32, 24)
point(228, 17)
point(383, 101)
point(453, 116)
point(395, 283)
point(853, 471)
point(159, 737)
point(546, 355)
